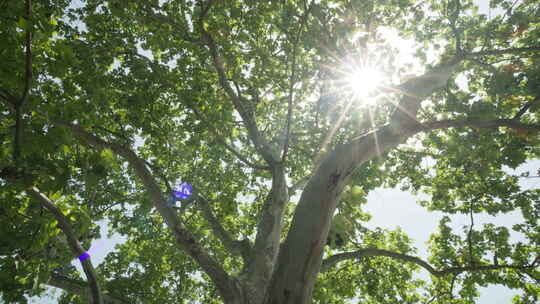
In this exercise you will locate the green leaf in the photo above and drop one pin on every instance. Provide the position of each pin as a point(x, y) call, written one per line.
point(358, 193)
point(22, 24)
point(55, 196)
point(94, 72)
point(66, 149)
point(107, 155)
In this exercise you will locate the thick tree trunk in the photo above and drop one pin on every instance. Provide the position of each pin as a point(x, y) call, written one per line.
point(300, 257)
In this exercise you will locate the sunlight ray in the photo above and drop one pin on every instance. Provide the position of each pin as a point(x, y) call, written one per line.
point(371, 120)
point(330, 135)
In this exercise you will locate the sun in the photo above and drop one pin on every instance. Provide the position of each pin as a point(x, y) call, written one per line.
point(363, 81)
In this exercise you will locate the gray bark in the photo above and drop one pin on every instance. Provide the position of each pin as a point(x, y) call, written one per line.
point(300, 257)
point(75, 246)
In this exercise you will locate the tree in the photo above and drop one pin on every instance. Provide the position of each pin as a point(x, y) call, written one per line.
point(107, 105)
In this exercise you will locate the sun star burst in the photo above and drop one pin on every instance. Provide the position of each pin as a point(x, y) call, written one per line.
point(363, 81)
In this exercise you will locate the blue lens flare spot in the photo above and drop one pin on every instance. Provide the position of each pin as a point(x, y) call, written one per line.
point(84, 256)
point(183, 192)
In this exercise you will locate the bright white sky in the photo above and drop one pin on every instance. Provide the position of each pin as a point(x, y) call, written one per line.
point(390, 208)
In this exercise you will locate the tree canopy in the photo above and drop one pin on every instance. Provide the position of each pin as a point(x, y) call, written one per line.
point(282, 116)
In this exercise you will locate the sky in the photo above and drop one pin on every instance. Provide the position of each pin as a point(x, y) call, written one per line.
point(390, 208)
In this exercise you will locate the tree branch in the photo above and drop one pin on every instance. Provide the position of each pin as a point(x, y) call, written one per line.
point(292, 82)
point(27, 83)
point(240, 103)
point(525, 108)
point(218, 137)
point(453, 18)
point(488, 66)
point(300, 183)
point(240, 156)
point(233, 246)
point(269, 229)
point(266, 248)
point(75, 246)
point(476, 123)
point(300, 255)
point(28, 69)
point(502, 52)
point(18, 133)
point(184, 239)
point(469, 235)
point(221, 140)
point(117, 134)
point(415, 91)
point(79, 287)
point(329, 262)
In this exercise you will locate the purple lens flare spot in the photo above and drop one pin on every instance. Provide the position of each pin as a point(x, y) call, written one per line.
point(184, 191)
point(84, 256)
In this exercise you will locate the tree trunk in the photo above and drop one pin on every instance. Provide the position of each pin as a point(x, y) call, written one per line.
point(301, 254)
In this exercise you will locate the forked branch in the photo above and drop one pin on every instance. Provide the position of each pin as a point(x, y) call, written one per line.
point(234, 247)
point(331, 261)
point(184, 239)
point(74, 245)
point(241, 104)
point(293, 80)
point(224, 143)
point(79, 287)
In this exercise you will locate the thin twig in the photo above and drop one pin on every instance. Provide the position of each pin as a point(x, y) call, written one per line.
point(495, 123)
point(234, 247)
point(491, 68)
point(502, 52)
point(526, 107)
point(469, 235)
point(28, 69)
point(226, 145)
point(329, 262)
point(509, 11)
point(27, 83)
point(292, 82)
point(453, 19)
point(113, 133)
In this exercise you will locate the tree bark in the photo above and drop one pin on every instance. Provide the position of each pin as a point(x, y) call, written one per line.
point(80, 288)
point(227, 286)
point(76, 249)
point(300, 257)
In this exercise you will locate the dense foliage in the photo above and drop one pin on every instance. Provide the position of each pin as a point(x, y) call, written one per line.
point(209, 92)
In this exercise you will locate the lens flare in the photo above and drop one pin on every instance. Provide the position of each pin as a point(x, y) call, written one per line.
point(364, 81)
